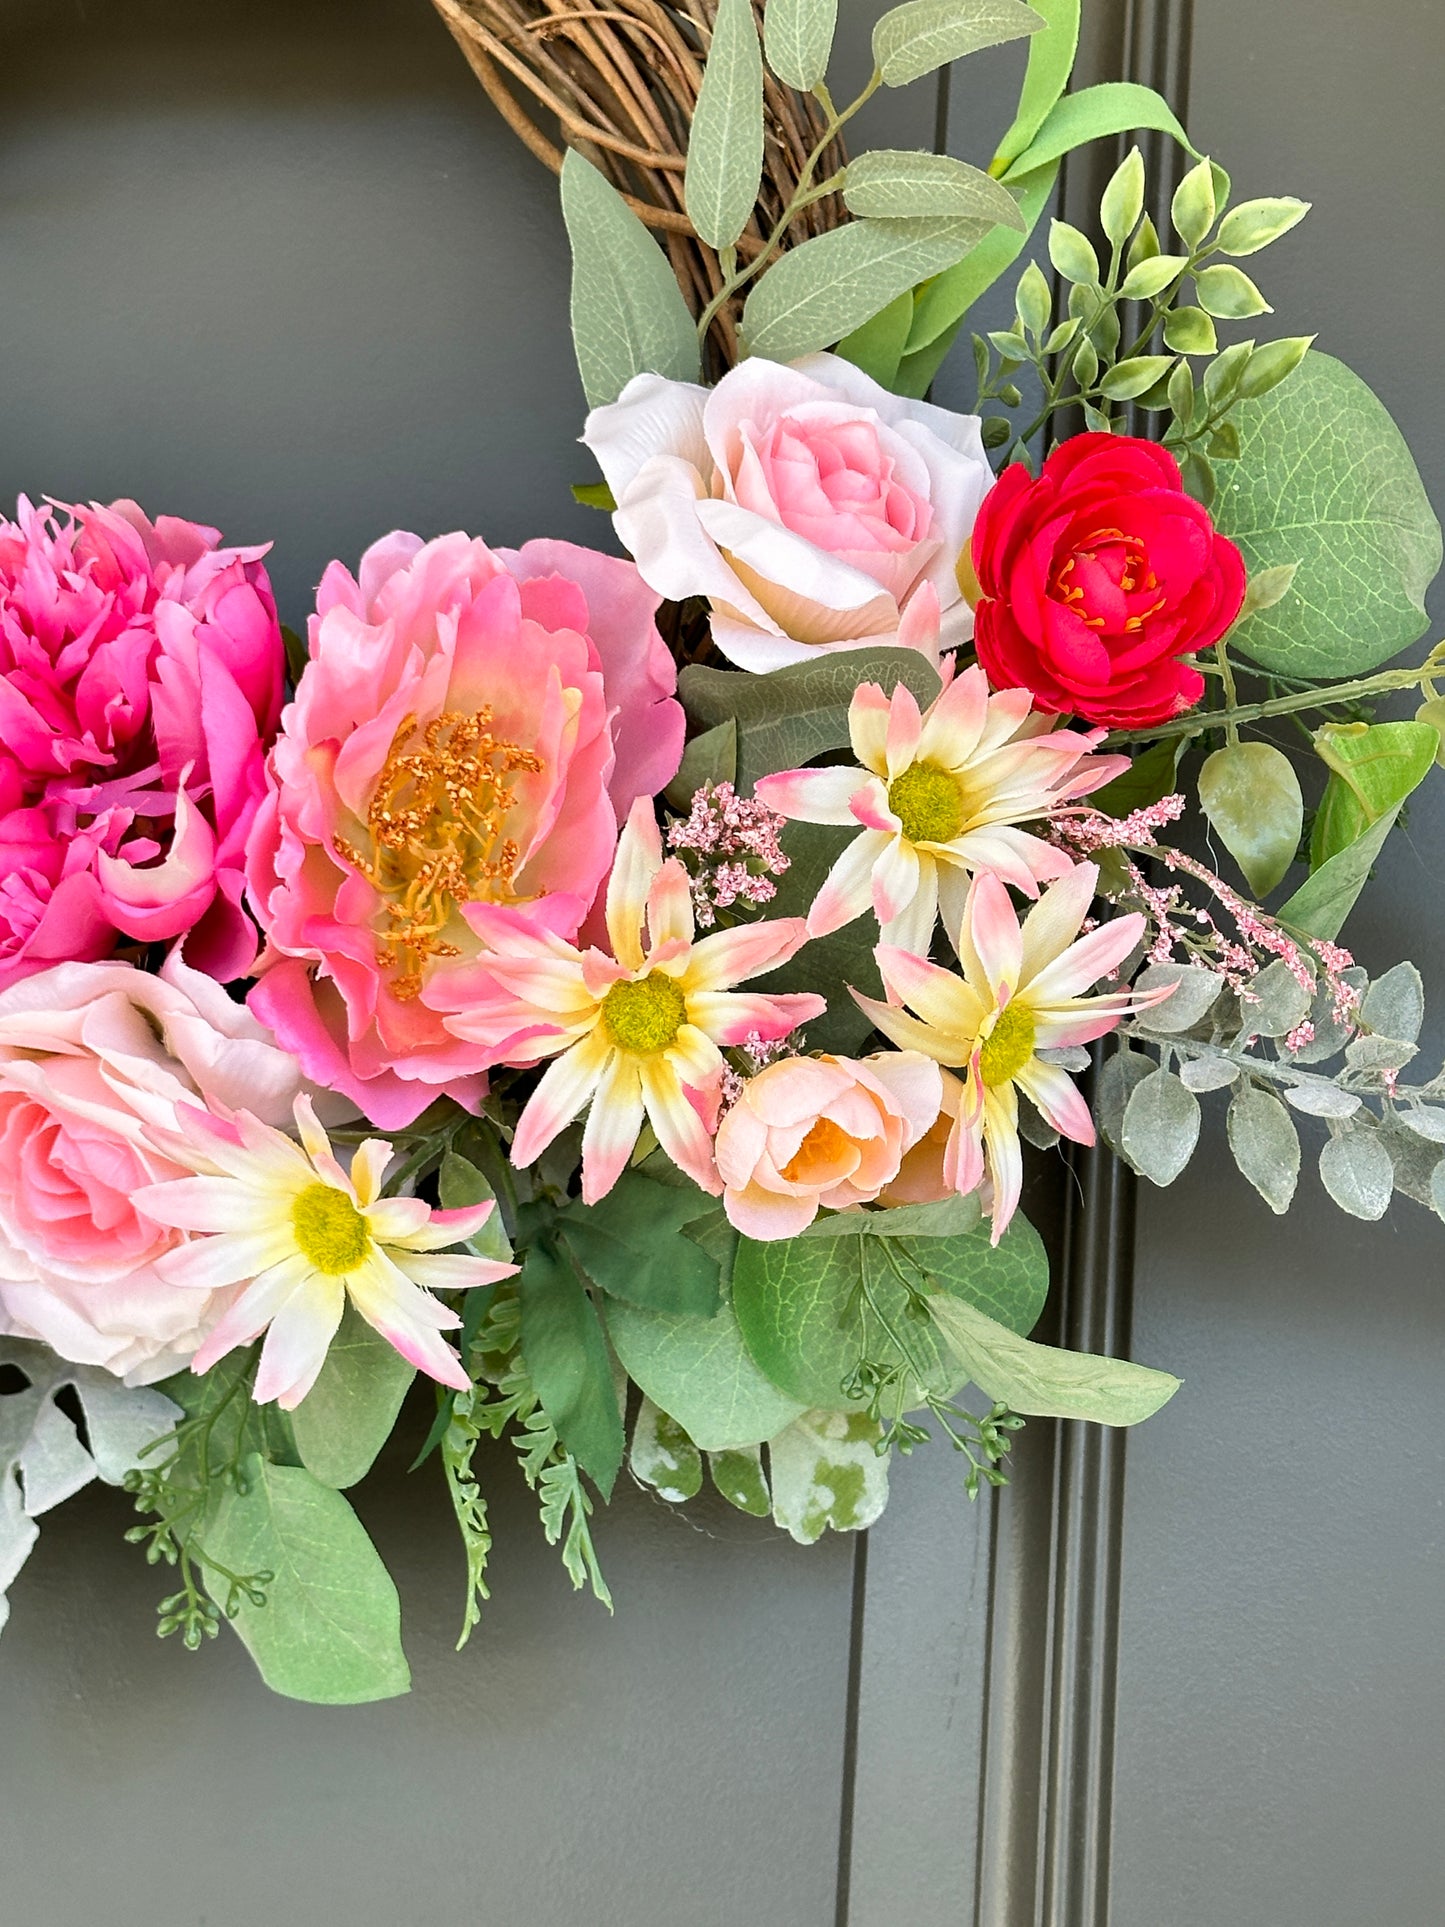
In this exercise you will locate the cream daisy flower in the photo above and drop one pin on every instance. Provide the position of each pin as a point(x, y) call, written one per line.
point(286, 1220)
point(939, 797)
point(635, 1035)
point(1020, 996)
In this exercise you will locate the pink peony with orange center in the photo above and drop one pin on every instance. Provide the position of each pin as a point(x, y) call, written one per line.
point(472, 727)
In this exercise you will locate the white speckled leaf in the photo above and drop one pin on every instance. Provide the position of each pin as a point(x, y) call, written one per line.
point(827, 1471)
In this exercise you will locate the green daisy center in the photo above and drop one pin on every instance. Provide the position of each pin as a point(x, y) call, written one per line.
point(1008, 1046)
point(330, 1232)
point(928, 802)
point(646, 1015)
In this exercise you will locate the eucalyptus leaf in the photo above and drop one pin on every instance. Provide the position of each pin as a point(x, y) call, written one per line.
point(1356, 1170)
point(1324, 479)
point(798, 38)
point(628, 314)
point(1161, 1127)
point(802, 1308)
point(923, 35)
point(1042, 1381)
point(1252, 797)
point(895, 183)
point(818, 293)
point(699, 1371)
point(330, 1629)
point(348, 1415)
point(725, 140)
point(1265, 1145)
point(827, 1471)
point(951, 1217)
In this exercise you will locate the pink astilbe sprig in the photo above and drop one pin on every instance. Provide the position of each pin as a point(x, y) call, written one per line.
point(735, 841)
point(1184, 931)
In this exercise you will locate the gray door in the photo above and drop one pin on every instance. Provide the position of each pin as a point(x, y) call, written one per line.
point(276, 264)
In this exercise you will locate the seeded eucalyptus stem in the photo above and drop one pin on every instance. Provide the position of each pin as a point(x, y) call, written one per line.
point(1232, 715)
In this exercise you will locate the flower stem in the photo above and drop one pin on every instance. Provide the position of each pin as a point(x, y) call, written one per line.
point(1233, 714)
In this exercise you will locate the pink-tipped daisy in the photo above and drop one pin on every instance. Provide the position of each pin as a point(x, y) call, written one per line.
point(635, 1035)
point(1020, 996)
point(939, 796)
point(286, 1220)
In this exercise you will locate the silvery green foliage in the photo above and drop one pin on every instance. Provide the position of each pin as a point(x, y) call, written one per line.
point(43, 1457)
point(1381, 1135)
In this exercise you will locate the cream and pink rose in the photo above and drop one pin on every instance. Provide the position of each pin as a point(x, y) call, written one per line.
point(95, 1061)
point(140, 679)
point(472, 727)
point(810, 507)
point(809, 1133)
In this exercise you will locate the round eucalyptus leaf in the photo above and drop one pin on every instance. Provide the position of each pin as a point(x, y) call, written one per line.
point(1251, 795)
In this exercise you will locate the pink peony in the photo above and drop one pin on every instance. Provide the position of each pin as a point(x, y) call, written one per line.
point(140, 676)
point(95, 1061)
point(812, 508)
point(808, 1132)
point(471, 729)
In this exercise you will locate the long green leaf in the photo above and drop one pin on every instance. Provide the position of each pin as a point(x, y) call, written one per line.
point(725, 142)
point(923, 35)
point(831, 285)
point(566, 1355)
point(1323, 901)
point(1113, 107)
point(1373, 768)
point(628, 314)
point(798, 38)
point(330, 1630)
point(1042, 1381)
point(1051, 61)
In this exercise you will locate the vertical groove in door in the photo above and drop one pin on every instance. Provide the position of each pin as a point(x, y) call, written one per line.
point(1046, 1811)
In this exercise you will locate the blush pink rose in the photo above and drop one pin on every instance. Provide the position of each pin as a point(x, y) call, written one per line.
point(471, 728)
point(920, 1178)
point(813, 509)
point(95, 1059)
point(814, 1132)
point(140, 679)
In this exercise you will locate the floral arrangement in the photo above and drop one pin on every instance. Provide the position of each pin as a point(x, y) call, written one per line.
point(619, 988)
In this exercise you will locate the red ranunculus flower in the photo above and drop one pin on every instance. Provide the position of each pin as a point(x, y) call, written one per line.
point(1097, 578)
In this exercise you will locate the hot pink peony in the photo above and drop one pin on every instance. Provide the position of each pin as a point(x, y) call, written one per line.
point(140, 677)
point(809, 1132)
point(95, 1059)
point(471, 729)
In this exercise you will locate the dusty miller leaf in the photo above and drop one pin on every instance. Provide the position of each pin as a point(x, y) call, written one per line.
point(1161, 1127)
point(1356, 1170)
point(1265, 1144)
